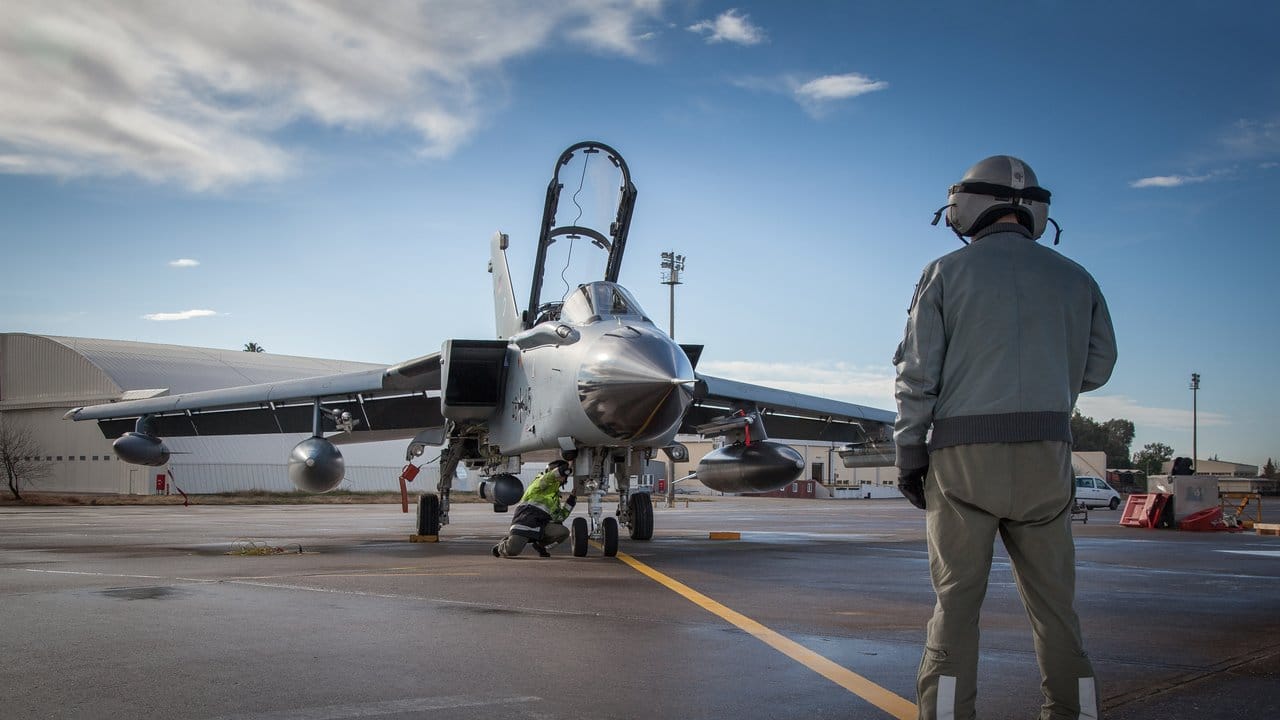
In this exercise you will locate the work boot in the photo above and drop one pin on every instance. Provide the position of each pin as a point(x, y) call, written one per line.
point(495, 551)
point(542, 549)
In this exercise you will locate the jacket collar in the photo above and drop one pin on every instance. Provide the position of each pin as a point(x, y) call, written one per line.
point(1002, 227)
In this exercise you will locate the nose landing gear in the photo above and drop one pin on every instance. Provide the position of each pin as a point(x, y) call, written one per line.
point(594, 526)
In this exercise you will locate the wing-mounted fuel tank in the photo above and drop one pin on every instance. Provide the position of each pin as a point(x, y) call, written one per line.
point(316, 465)
point(141, 447)
point(750, 462)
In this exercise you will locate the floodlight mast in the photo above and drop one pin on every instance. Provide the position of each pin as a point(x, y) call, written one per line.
point(1195, 389)
point(672, 266)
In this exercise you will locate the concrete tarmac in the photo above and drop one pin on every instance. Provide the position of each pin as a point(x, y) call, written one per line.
point(140, 612)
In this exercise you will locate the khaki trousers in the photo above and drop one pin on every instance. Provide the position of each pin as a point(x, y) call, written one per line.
point(1024, 491)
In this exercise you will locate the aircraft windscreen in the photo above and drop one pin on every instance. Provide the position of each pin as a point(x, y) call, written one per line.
point(599, 300)
point(587, 206)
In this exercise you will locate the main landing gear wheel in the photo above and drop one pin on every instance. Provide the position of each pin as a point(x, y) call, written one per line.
point(429, 514)
point(578, 536)
point(641, 510)
point(610, 526)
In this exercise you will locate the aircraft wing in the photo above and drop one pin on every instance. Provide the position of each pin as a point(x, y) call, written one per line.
point(786, 414)
point(387, 403)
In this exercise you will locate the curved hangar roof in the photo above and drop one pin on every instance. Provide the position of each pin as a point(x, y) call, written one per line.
point(49, 371)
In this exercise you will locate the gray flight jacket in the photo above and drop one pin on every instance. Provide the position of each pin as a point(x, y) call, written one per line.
point(1002, 337)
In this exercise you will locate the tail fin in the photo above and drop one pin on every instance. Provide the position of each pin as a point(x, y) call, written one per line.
point(505, 314)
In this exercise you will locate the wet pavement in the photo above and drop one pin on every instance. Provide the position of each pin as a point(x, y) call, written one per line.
point(141, 612)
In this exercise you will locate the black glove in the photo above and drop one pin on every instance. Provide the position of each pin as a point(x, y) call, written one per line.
point(571, 501)
point(911, 485)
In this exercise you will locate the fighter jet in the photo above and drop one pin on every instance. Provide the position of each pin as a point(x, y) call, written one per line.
point(585, 375)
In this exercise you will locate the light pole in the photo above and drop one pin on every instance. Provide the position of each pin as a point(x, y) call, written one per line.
point(1195, 389)
point(672, 266)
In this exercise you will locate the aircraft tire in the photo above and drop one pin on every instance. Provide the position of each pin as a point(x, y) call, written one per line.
point(641, 516)
point(610, 537)
point(578, 536)
point(429, 514)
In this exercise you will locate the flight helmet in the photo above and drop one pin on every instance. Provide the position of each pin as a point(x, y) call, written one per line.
point(997, 186)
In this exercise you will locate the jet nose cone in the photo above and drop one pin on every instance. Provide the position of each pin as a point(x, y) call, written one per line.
point(636, 384)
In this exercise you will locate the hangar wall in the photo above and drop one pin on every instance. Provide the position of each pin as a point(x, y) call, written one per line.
point(42, 377)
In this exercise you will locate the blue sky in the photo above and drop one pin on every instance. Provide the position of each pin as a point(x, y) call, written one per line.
point(335, 173)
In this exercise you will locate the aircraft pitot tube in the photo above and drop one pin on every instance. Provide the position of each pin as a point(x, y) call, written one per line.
point(752, 463)
point(316, 465)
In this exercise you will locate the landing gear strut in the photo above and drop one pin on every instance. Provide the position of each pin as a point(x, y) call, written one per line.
point(433, 508)
point(635, 510)
point(595, 526)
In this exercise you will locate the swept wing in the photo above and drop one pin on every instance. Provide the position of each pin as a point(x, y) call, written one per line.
point(391, 402)
point(790, 415)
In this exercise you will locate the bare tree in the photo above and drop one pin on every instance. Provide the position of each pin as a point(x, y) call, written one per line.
point(20, 457)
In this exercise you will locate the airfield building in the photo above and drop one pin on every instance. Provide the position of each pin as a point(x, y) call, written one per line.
point(42, 377)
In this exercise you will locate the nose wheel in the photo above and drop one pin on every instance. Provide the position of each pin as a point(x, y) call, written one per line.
point(594, 527)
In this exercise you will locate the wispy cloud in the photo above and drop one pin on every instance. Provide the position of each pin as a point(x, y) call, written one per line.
point(1106, 407)
point(732, 26)
point(1253, 139)
point(838, 87)
point(184, 315)
point(1168, 181)
point(198, 93)
point(815, 94)
point(862, 385)
point(184, 263)
point(1246, 145)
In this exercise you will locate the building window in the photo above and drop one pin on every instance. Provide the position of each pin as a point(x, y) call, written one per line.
point(59, 458)
point(81, 458)
point(95, 458)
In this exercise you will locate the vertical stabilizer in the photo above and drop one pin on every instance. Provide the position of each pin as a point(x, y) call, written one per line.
point(505, 314)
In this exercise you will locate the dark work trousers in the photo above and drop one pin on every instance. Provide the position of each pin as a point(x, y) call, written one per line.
point(553, 534)
point(1024, 491)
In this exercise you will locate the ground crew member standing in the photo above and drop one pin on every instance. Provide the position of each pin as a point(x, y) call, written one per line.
point(539, 518)
point(1001, 338)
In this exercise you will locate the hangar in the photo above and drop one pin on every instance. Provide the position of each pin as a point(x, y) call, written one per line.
point(43, 376)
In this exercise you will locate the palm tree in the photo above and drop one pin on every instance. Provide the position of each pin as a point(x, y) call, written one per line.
point(253, 347)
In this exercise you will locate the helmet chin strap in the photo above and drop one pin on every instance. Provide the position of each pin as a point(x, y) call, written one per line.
point(1057, 230)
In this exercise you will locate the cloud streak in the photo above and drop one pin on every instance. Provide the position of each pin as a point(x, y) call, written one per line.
point(184, 315)
point(184, 263)
point(815, 94)
point(199, 93)
point(838, 87)
point(1106, 407)
point(1169, 181)
point(733, 26)
point(862, 385)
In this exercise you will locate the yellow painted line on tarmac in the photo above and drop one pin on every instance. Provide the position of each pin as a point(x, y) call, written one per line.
point(896, 706)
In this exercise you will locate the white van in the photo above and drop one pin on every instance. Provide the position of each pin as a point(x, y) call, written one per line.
point(1095, 492)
